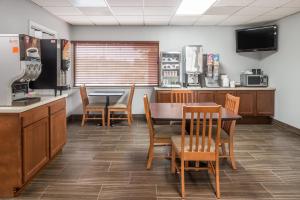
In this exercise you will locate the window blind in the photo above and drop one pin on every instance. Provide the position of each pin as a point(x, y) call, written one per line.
point(116, 63)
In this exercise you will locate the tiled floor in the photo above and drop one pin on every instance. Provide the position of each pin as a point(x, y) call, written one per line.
point(102, 163)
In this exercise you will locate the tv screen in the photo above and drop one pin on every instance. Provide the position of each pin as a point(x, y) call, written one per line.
point(257, 39)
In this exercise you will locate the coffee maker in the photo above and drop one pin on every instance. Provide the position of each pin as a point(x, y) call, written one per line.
point(20, 62)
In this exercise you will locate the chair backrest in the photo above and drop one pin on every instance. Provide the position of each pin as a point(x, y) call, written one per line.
point(84, 97)
point(201, 128)
point(148, 117)
point(232, 103)
point(130, 98)
point(182, 96)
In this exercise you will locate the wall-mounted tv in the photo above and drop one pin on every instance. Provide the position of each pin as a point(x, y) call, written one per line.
point(262, 38)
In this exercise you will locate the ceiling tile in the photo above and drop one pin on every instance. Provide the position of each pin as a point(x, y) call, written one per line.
point(52, 2)
point(135, 11)
point(253, 11)
point(211, 19)
point(77, 20)
point(183, 20)
point(159, 11)
point(222, 10)
point(88, 3)
point(157, 20)
point(292, 4)
point(167, 3)
point(283, 11)
point(269, 3)
point(237, 20)
point(103, 20)
point(233, 2)
point(130, 20)
point(95, 11)
point(137, 3)
point(64, 10)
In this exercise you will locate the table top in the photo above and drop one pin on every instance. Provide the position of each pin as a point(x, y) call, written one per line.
point(173, 111)
point(107, 93)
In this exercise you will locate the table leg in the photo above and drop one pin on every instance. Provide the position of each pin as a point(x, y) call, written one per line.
point(106, 109)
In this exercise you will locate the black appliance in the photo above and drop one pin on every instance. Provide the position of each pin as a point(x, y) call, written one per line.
point(55, 57)
point(263, 38)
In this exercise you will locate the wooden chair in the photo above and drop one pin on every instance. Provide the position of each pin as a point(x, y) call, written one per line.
point(88, 108)
point(199, 145)
point(228, 129)
point(182, 96)
point(127, 109)
point(159, 135)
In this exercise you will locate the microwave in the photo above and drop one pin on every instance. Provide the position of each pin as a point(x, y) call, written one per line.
point(254, 80)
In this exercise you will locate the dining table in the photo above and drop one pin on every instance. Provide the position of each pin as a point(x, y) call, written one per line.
point(107, 95)
point(173, 111)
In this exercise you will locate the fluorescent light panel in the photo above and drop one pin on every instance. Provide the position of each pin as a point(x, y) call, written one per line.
point(194, 7)
point(88, 3)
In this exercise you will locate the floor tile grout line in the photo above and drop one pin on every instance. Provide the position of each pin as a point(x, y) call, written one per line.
point(99, 192)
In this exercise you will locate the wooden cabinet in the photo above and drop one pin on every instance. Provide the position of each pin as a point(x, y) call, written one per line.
point(265, 103)
point(58, 130)
point(163, 96)
point(35, 147)
point(203, 96)
point(220, 96)
point(252, 102)
point(27, 140)
point(247, 102)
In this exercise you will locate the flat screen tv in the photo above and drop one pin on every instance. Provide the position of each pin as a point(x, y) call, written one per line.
point(257, 39)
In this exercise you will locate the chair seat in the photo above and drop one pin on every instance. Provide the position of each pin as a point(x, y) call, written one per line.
point(166, 131)
point(95, 106)
point(176, 140)
point(118, 106)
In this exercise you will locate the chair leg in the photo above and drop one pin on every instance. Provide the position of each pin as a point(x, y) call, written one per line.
point(231, 152)
point(217, 179)
point(128, 118)
point(150, 156)
point(131, 118)
point(83, 119)
point(173, 162)
point(182, 179)
point(103, 118)
point(108, 119)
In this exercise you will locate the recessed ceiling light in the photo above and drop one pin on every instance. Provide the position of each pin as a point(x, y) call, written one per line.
point(194, 7)
point(88, 3)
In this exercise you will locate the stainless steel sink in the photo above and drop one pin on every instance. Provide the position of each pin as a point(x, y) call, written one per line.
point(26, 101)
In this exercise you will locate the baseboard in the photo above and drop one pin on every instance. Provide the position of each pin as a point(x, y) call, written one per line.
point(286, 126)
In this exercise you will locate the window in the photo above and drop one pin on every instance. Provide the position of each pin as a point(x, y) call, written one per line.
point(116, 63)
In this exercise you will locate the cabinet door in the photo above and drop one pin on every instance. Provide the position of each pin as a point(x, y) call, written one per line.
point(265, 103)
point(58, 131)
point(163, 96)
point(35, 147)
point(247, 103)
point(220, 96)
point(203, 96)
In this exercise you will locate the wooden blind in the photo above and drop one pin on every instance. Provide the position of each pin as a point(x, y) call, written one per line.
point(116, 63)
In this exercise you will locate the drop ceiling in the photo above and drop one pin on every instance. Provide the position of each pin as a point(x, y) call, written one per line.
point(163, 12)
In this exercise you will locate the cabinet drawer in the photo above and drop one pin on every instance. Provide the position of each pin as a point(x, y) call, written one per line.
point(34, 115)
point(57, 105)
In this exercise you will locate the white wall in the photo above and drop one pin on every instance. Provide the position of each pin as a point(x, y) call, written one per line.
point(283, 68)
point(16, 14)
point(172, 38)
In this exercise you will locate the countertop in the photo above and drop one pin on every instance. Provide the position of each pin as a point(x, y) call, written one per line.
point(212, 89)
point(20, 109)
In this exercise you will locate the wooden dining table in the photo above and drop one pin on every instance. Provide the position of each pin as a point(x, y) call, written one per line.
point(173, 111)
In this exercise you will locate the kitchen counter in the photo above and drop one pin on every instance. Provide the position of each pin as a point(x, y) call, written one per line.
point(213, 89)
point(20, 109)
